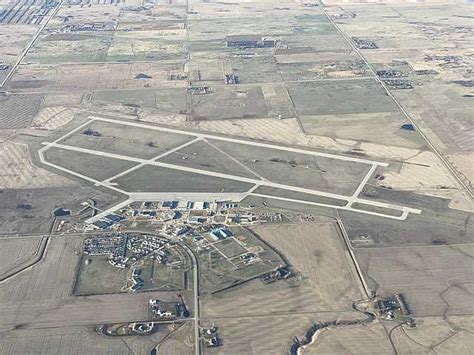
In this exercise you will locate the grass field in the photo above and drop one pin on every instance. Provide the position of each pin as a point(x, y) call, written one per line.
point(304, 170)
point(125, 140)
point(230, 247)
point(201, 155)
point(93, 166)
point(166, 100)
point(156, 276)
point(221, 269)
point(348, 96)
point(153, 178)
point(20, 172)
point(229, 102)
point(270, 191)
point(99, 277)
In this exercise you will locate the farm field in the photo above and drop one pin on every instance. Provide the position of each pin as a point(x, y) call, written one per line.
point(17, 111)
point(316, 250)
point(305, 161)
point(85, 77)
point(49, 301)
point(367, 339)
point(436, 280)
point(18, 252)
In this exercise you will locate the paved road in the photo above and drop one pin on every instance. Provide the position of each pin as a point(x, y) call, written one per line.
point(241, 141)
point(196, 310)
point(256, 182)
point(216, 174)
point(31, 44)
point(152, 88)
point(145, 162)
point(402, 109)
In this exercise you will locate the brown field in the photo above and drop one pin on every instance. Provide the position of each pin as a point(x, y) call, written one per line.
point(72, 77)
point(42, 296)
point(180, 342)
point(16, 251)
point(19, 172)
point(360, 339)
point(269, 334)
point(436, 280)
point(323, 290)
point(76, 341)
point(452, 335)
point(317, 252)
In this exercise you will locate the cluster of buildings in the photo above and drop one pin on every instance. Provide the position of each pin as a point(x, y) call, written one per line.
point(392, 306)
point(183, 213)
point(394, 79)
point(115, 246)
point(201, 236)
point(127, 329)
point(248, 258)
point(220, 233)
point(231, 79)
point(178, 76)
point(136, 280)
point(141, 246)
point(82, 27)
point(27, 12)
point(210, 336)
point(250, 41)
point(389, 73)
point(144, 328)
point(364, 43)
point(168, 309)
point(126, 248)
point(199, 90)
point(108, 221)
point(398, 84)
point(278, 274)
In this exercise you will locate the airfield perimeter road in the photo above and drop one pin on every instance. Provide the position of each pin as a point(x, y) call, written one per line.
point(255, 181)
point(405, 113)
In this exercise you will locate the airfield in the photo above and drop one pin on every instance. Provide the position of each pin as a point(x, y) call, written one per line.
point(329, 139)
point(141, 167)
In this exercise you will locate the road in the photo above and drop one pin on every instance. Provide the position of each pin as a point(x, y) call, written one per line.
point(240, 141)
point(363, 285)
point(397, 103)
point(152, 88)
point(31, 44)
point(256, 182)
point(197, 342)
point(349, 199)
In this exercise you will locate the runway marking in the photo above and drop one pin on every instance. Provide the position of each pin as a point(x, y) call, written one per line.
point(256, 182)
point(241, 141)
